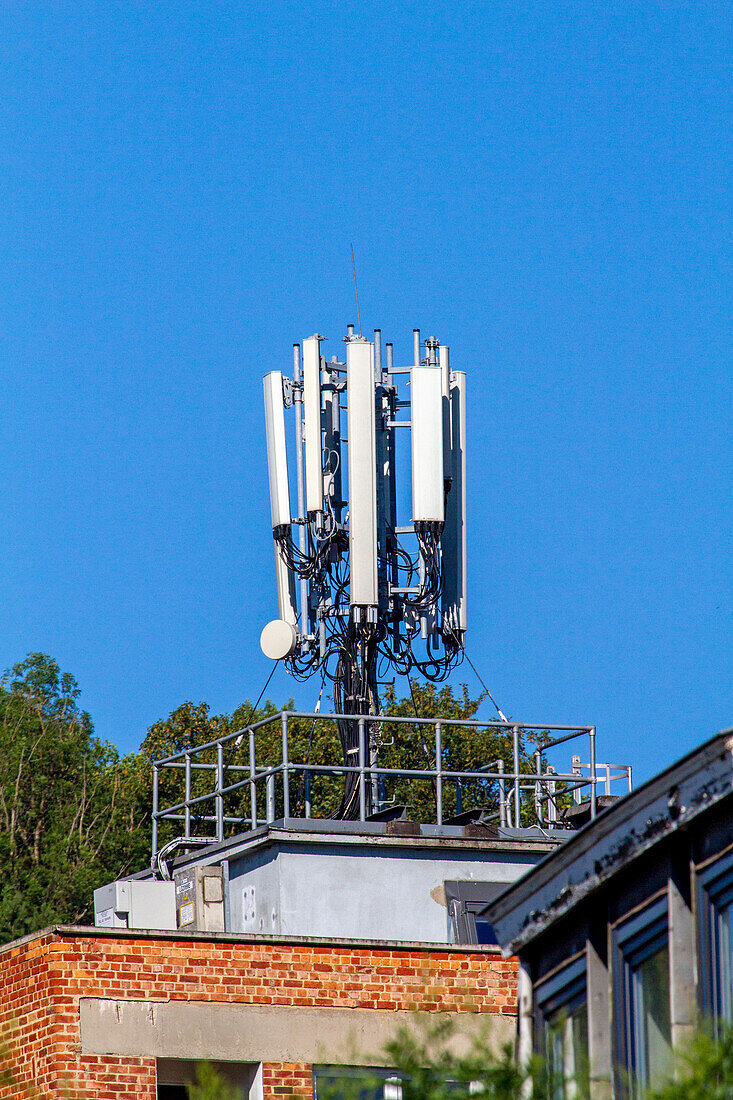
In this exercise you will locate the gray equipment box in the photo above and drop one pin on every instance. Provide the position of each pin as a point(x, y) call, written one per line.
point(200, 899)
point(136, 903)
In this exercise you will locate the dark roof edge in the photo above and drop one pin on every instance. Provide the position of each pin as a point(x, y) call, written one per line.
point(606, 822)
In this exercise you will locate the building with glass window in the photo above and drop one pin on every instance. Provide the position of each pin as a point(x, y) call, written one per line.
point(624, 933)
point(129, 1013)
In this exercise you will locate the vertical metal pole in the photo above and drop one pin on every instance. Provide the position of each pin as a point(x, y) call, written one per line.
point(253, 781)
point(515, 753)
point(362, 772)
point(551, 792)
point(377, 355)
point(298, 403)
point(439, 773)
point(538, 786)
point(219, 796)
point(308, 801)
point(286, 767)
point(374, 802)
point(416, 346)
point(608, 778)
point(592, 738)
point(576, 769)
point(187, 810)
point(155, 811)
point(502, 793)
point(628, 773)
point(270, 795)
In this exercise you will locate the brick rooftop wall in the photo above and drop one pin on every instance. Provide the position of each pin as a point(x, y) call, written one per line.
point(43, 978)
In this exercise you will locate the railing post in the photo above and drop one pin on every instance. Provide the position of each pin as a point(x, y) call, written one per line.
point(219, 788)
point(270, 792)
point(155, 811)
point(502, 792)
point(439, 773)
point(592, 738)
point(538, 787)
point(308, 802)
point(608, 778)
point(187, 811)
point(551, 792)
point(577, 769)
point(253, 781)
point(286, 767)
point(628, 772)
point(362, 772)
point(515, 753)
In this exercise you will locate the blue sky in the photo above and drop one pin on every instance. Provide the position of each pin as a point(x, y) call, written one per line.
point(543, 186)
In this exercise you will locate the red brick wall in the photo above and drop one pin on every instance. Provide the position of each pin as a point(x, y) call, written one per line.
point(43, 979)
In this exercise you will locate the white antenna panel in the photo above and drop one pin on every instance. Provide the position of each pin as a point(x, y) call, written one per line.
point(362, 473)
point(277, 459)
point(454, 533)
point(285, 581)
point(426, 398)
point(312, 415)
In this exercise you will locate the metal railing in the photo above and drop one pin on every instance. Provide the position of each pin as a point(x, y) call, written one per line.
point(521, 787)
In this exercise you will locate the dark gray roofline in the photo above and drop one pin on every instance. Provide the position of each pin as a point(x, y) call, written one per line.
point(372, 834)
point(556, 868)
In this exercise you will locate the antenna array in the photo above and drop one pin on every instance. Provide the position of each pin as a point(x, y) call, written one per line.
point(360, 593)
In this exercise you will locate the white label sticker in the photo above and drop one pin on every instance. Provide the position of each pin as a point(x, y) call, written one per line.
point(185, 914)
point(105, 918)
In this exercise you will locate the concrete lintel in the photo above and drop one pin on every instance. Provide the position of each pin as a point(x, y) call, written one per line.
point(265, 1033)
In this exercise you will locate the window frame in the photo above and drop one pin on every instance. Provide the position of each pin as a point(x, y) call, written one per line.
point(466, 900)
point(354, 1072)
point(714, 900)
point(635, 940)
point(564, 990)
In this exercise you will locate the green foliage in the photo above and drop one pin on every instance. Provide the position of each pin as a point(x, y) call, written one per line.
point(402, 745)
point(74, 814)
point(210, 1085)
point(431, 1071)
point(428, 1067)
point(704, 1070)
point(70, 813)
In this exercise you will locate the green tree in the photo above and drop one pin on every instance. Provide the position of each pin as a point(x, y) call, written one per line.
point(70, 813)
point(401, 745)
point(74, 814)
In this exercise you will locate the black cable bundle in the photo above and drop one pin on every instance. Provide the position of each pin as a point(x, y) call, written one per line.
point(355, 692)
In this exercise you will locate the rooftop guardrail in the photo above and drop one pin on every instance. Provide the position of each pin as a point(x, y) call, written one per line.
point(288, 765)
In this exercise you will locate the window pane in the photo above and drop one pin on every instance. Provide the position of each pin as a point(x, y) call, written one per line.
point(355, 1084)
point(653, 1030)
point(723, 954)
point(566, 1053)
point(485, 933)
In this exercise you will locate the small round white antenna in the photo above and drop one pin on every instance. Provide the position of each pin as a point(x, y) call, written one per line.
point(278, 640)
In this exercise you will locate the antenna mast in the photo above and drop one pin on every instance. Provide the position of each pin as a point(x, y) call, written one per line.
point(377, 590)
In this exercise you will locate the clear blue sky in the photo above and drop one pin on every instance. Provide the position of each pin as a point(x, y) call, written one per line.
point(545, 187)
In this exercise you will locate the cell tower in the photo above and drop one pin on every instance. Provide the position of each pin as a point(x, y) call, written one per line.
point(359, 592)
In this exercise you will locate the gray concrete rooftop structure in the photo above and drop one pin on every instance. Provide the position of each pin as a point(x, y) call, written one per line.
point(311, 878)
